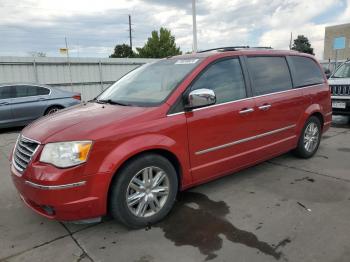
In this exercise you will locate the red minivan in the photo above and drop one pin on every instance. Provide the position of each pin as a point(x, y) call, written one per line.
point(167, 126)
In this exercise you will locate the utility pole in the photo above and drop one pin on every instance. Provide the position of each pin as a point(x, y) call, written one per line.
point(290, 41)
point(194, 26)
point(130, 36)
point(68, 61)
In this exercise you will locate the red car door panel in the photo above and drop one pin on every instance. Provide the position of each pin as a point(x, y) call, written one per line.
point(278, 106)
point(216, 138)
point(214, 132)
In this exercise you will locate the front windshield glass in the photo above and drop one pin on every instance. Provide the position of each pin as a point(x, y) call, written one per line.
point(343, 71)
point(149, 84)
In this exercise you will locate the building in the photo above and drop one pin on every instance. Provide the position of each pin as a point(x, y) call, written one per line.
point(337, 37)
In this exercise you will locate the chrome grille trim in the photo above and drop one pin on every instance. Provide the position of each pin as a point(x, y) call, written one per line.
point(340, 90)
point(23, 153)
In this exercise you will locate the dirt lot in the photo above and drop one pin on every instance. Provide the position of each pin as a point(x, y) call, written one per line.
point(286, 209)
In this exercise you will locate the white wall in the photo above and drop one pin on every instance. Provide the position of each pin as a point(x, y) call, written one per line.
point(89, 76)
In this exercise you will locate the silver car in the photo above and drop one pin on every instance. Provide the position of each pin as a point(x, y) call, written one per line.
point(20, 104)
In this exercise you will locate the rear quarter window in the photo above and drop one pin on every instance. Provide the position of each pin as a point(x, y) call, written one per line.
point(305, 71)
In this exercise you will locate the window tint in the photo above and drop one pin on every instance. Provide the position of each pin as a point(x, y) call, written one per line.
point(305, 71)
point(6, 92)
point(269, 74)
point(24, 91)
point(42, 91)
point(225, 78)
point(31, 91)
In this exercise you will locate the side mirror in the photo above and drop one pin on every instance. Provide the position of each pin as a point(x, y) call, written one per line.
point(327, 72)
point(200, 98)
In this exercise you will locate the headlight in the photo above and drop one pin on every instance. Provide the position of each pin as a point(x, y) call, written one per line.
point(66, 154)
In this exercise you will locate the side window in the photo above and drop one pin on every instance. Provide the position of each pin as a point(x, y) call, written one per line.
point(6, 92)
point(21, 91)
point(42, 91)
point(269, 74)
point(225, 78)
point(305, 71)
point(25, 91)
point(31, 91)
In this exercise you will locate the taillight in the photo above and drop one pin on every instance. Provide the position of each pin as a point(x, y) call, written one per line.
point(77, 97)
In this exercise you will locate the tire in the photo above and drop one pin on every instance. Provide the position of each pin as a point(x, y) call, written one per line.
point(309, 139)
point(131, 182)
point(52, 110)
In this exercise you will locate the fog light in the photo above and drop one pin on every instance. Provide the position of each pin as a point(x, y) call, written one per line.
point(48, 210)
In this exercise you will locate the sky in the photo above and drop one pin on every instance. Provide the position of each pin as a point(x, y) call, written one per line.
point(93, 28)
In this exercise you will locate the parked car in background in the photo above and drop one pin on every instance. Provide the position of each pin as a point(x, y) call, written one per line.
point(20, 104)
point(168, 126)
point(340, 88)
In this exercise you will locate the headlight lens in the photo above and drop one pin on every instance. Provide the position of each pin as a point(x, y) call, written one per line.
point(66, 154)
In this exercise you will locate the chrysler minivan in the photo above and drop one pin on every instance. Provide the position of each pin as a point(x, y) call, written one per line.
point(168, 126)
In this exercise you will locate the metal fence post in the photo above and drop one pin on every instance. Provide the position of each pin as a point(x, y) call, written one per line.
point(35, 72)
point(101, 77)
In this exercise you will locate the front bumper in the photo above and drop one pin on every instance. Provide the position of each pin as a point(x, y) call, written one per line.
point(341, 111)
point(78, 200)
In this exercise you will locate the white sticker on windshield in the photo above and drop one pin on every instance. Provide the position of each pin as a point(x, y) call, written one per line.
point(186, 62)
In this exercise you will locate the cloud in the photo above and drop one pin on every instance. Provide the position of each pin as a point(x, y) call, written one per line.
point(94, 28)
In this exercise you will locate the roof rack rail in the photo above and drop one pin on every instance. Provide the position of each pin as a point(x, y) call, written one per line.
point(234, 48)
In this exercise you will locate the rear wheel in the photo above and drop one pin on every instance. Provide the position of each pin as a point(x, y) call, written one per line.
point(144, 191)
point(310, 138)
point(52, 110)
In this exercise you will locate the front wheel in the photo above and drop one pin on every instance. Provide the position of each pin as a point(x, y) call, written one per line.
point(144, 191)
point(309, 139)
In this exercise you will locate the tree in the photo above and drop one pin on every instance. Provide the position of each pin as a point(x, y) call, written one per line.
point(121, 51)
point(302, 44)
point(159, 45)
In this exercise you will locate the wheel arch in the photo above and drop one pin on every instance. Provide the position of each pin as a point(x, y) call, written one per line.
point(170, 156)
point(319, 116)
point(53, 105)
point(312, 110)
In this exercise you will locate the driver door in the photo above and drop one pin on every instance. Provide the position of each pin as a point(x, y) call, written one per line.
point(217, 133)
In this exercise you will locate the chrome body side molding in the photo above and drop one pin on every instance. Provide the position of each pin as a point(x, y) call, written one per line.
point(244, 140)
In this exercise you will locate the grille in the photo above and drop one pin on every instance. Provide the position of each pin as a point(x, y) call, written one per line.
point(24, 151)
point(340, 90)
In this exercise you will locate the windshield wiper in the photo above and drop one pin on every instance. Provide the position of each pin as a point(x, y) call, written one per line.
point(111, 102)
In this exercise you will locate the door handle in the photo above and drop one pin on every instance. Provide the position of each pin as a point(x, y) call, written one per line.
point(4, 103)
point(41, 99)
point(265, 107)
point(246, 111)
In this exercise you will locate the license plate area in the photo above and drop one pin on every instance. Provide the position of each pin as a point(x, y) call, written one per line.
point(341, 105)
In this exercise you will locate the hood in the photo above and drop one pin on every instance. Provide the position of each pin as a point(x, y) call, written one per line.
point(85, 121)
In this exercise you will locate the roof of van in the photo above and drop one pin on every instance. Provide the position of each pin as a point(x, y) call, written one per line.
point(237, 50)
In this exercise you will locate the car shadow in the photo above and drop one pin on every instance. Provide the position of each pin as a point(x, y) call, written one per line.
point(11, 130)
point(341, 121)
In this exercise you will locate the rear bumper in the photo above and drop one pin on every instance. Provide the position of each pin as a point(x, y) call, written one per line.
point(78, 200)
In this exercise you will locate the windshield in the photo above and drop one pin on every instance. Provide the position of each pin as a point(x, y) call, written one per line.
point(343, 71)
point(149, 84)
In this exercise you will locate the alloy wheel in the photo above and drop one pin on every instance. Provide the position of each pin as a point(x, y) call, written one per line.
point(147, 192)
point(52, 111)
point(311, 137)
